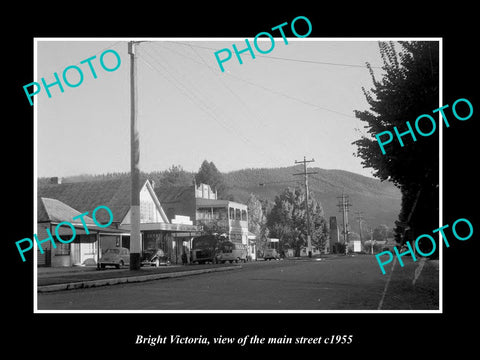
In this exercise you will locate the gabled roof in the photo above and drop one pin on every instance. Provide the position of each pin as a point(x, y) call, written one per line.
point(53, 210)
point(169, 194)
point(86, 196)
point(148, 186)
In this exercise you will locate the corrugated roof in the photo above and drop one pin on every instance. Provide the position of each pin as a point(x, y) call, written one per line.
point(54, 210)
point(169, 194)
point(86, 196)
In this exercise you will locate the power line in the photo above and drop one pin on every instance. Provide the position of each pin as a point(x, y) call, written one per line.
point(324, 181)
point(195, 96)
point(243, 104)
point(251, 83)
point(317, 62)
point(295, 60)
point(291, 97)
point(277, 182)
point(253, 114)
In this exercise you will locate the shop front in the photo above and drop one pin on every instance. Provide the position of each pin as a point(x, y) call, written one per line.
point(173, 239)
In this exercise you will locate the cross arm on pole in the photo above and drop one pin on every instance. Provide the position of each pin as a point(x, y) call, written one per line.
point(307, 173)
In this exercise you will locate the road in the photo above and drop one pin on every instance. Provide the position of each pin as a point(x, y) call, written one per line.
point(334, 283)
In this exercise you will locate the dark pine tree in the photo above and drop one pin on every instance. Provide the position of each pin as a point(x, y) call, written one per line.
point(209, 174)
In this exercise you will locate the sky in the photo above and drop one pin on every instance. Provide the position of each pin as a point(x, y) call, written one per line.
point(298, 100)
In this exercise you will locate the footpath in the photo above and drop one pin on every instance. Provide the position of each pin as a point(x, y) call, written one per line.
point(57, 279)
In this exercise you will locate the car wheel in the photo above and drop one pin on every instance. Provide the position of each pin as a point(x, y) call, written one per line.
point(120, 264)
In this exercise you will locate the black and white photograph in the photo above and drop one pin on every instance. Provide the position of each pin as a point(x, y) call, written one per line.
point(263, 178)
point(289, 182)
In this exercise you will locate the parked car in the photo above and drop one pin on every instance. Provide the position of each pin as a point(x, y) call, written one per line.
point(117, 257)
point(270, 254)
point(155, 257)
point(230, 251)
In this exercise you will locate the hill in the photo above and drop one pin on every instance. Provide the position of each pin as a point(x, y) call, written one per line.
point(378, 201)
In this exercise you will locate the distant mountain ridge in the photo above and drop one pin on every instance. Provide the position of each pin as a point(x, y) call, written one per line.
point(378, 201)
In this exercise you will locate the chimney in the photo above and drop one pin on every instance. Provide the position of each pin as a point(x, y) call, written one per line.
point(55, 180)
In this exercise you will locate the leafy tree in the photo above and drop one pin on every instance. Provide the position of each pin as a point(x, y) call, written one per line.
point(352, 236)
point(380, 233)
point(209, 174)
point(287, 220)
point(257, 220)
point(212, 228)
point(408, 88)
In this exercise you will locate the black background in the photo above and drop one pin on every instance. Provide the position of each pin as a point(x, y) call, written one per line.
point(375, 335)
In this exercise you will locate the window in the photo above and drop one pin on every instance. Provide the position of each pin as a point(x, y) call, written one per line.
point(89, 248)
point(238, 215)
point(147, 211)
point(204, 213)
point(62, 249)
point(244, 215)
point(232, 213)
point(222, 213)
point(112, 251)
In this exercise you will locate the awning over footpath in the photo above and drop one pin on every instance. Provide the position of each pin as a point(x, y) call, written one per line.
point(165, 227)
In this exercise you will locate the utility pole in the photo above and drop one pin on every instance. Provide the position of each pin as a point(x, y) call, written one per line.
point(360, 218)
point(135, 238)
point(305, 173)
point(370, 230)
point(343, 205)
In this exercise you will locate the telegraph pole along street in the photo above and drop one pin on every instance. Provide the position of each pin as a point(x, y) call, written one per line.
point(343, 206)
point(135, 239)
point(305, 174)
